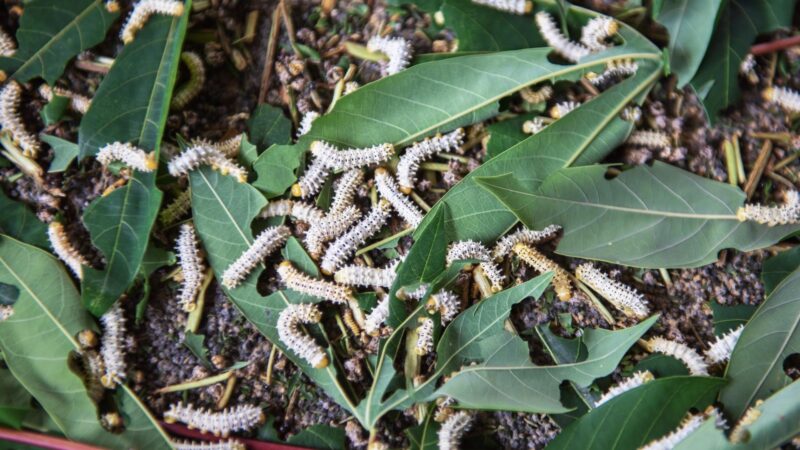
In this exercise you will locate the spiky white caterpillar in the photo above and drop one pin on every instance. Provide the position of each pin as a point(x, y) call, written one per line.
point(561, 280)
point(634, 381)
point(540, 95)
point(307, 212)
point(312, 180)
point(329, 227)
point(344, 190)
point(186, 92)
point(77, 103)
point(513, 6)
point(631, 114)
point(197, 155)
point(351, 158)
point(476, 250)
point(354, 275)
point(7, 45)
point(128, 154)
point(389, 190)
point(720, 351)
point(453, 429)
point(525, 236)
point(693, 361)
point(649, 138)
point(376, 317)
point(231, 444)
point(421, 151)
point(112, 346)
point(229, 147)
point(350, 87)
point(748, 68)
point(179, 206)
point(296, 339)
point(143, 10)
point(424, 343)
point(626, 299)
point(191, 266)
point(788, 213)
point(64, 249)
point(343, 247)
point(277, 208)
point(397, 49)
point(671, 440)
point(561, 109)
point(223, 423)
point(304, 284)
point(11, 121)
point(596, 31)
point(7, 311)
point(306, 122)
point(739, 433)
point(786, 98)
point(533, 126)
point(570, 50)
point(615, 70)
point(447, 303)
point(266, 243)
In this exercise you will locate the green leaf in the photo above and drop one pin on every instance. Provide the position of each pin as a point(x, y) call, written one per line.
point(729, 317)
point(778, 267)
point(156, 258)
point(424, 436)
point(738, 23)
point(54, 109)
point(65, 152)
point(37, 340)
point(51, 32)
point(651, 217)
point(276, 169)
point(506, 134)
point(294, 252)
point(248, 153)
point(323, 437)
point(269, 126)
point(662, 366)
point(690, 24)
point(15, 402)
point(19, 222)
point(640, 415)
point(756, 369)
point(480, 28)
point(584, 136)
point(196, 344)
point(508, 380)
point(223, 211)
point(131, 105)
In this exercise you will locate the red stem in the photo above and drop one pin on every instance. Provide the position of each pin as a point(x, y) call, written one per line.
point(42, 440)
point(774, 46)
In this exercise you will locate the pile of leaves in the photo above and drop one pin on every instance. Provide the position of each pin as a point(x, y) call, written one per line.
point(639, 217)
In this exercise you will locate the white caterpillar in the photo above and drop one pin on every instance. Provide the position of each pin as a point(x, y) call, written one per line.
point(748, 69)
point(302, 283)
point(344, 246)
point(11, 121)
point(344, 190)
point(77, 103)
point(143, 10)
point(596, 31)
point(307, 212)
point(679, 351)
point(453, 429)
point(447, 303)
point(329, 227)
point(614, 71)
point(720, 351)
point(277, 208)
point(631, 114)
point(267, 242)
point(570, 50)
point(305, 123)
point(398, 50)
point(128, 154)
point(296, 339)
point(626, 299)
point(689, 425)
point(421, 151)
point(533, 126)
point(7, 45)
point(424, 336)
point(476, 250)
point(788, 213)
point(351, 158)
point(223, 423)
point(197, 155)
point(561, 109)
point(786, 98)
point(525, 236)
point(350, 87)
point(739, 433)
point(191, 266)
point(390, 191)
point(231, 444)
point(7, 311)
point(540, 95)
point(634, 381)
point(65, 250)
point(376, 317)
point(365, 276)
point(513, 6)
point(112, 346)
point(649, 138)
point(561, 280)
point(229, 147)
point(312, 180)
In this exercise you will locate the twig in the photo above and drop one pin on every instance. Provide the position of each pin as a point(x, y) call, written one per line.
point(384, 241)
point(41, 440)
point(272, 354)
point(785, 161)
point(208, 381)
point(737, 151)
point(419, 201)
point(360, 51)
point(196, 315)
point(226, 396)
point(774, 46)
point(595, 301)
point(269, 59)
point(665, 276)
point(758, 168)
point(730, 162)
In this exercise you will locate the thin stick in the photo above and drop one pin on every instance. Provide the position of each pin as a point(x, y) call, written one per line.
point(758, 169)
point(226, 396)
point(730, 162)
point(383, 241)
point(737, 151)
point(196, 315)
point(419, 201)
point(665, 276)
point(269, 59)
point(774, 176)
point(782, 137)
point(272, 353)
point(595, 301)
point(774, 46)
point(785, 161)
point(437, 167)
point(40, 440)
point(196, 383)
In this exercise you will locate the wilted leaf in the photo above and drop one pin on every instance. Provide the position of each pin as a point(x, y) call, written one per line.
point(19, 222)
point(322, 437)
point(690, 24)
point(51, 32)
point(65, 152)
point(131, 105)
point(778, 267)
point(659, 216)
point(37, 340)
point(756, 369)
point(640, 415)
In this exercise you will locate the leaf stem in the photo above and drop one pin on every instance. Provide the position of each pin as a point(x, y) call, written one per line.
point(196, 315)
point(384, 241)
point(596, 302)
point(208, 381)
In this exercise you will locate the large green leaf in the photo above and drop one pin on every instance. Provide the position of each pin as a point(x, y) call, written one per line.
point(131, 105)
point(690, 24)
point(778, 267)
point(739, 22)
point(321, 437)
point(659, 216)
point(424, 436)
point(15, 402)
point(223, 211)
point(756, 369)
point(19, 222)
point(268, 126)
point(37, 340)
point(640, 415)
point(51, 32)
point(508, 380)
point(480, 28)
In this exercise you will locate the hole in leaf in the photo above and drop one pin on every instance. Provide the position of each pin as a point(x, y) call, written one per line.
point(791, 366)
point(8, 294)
